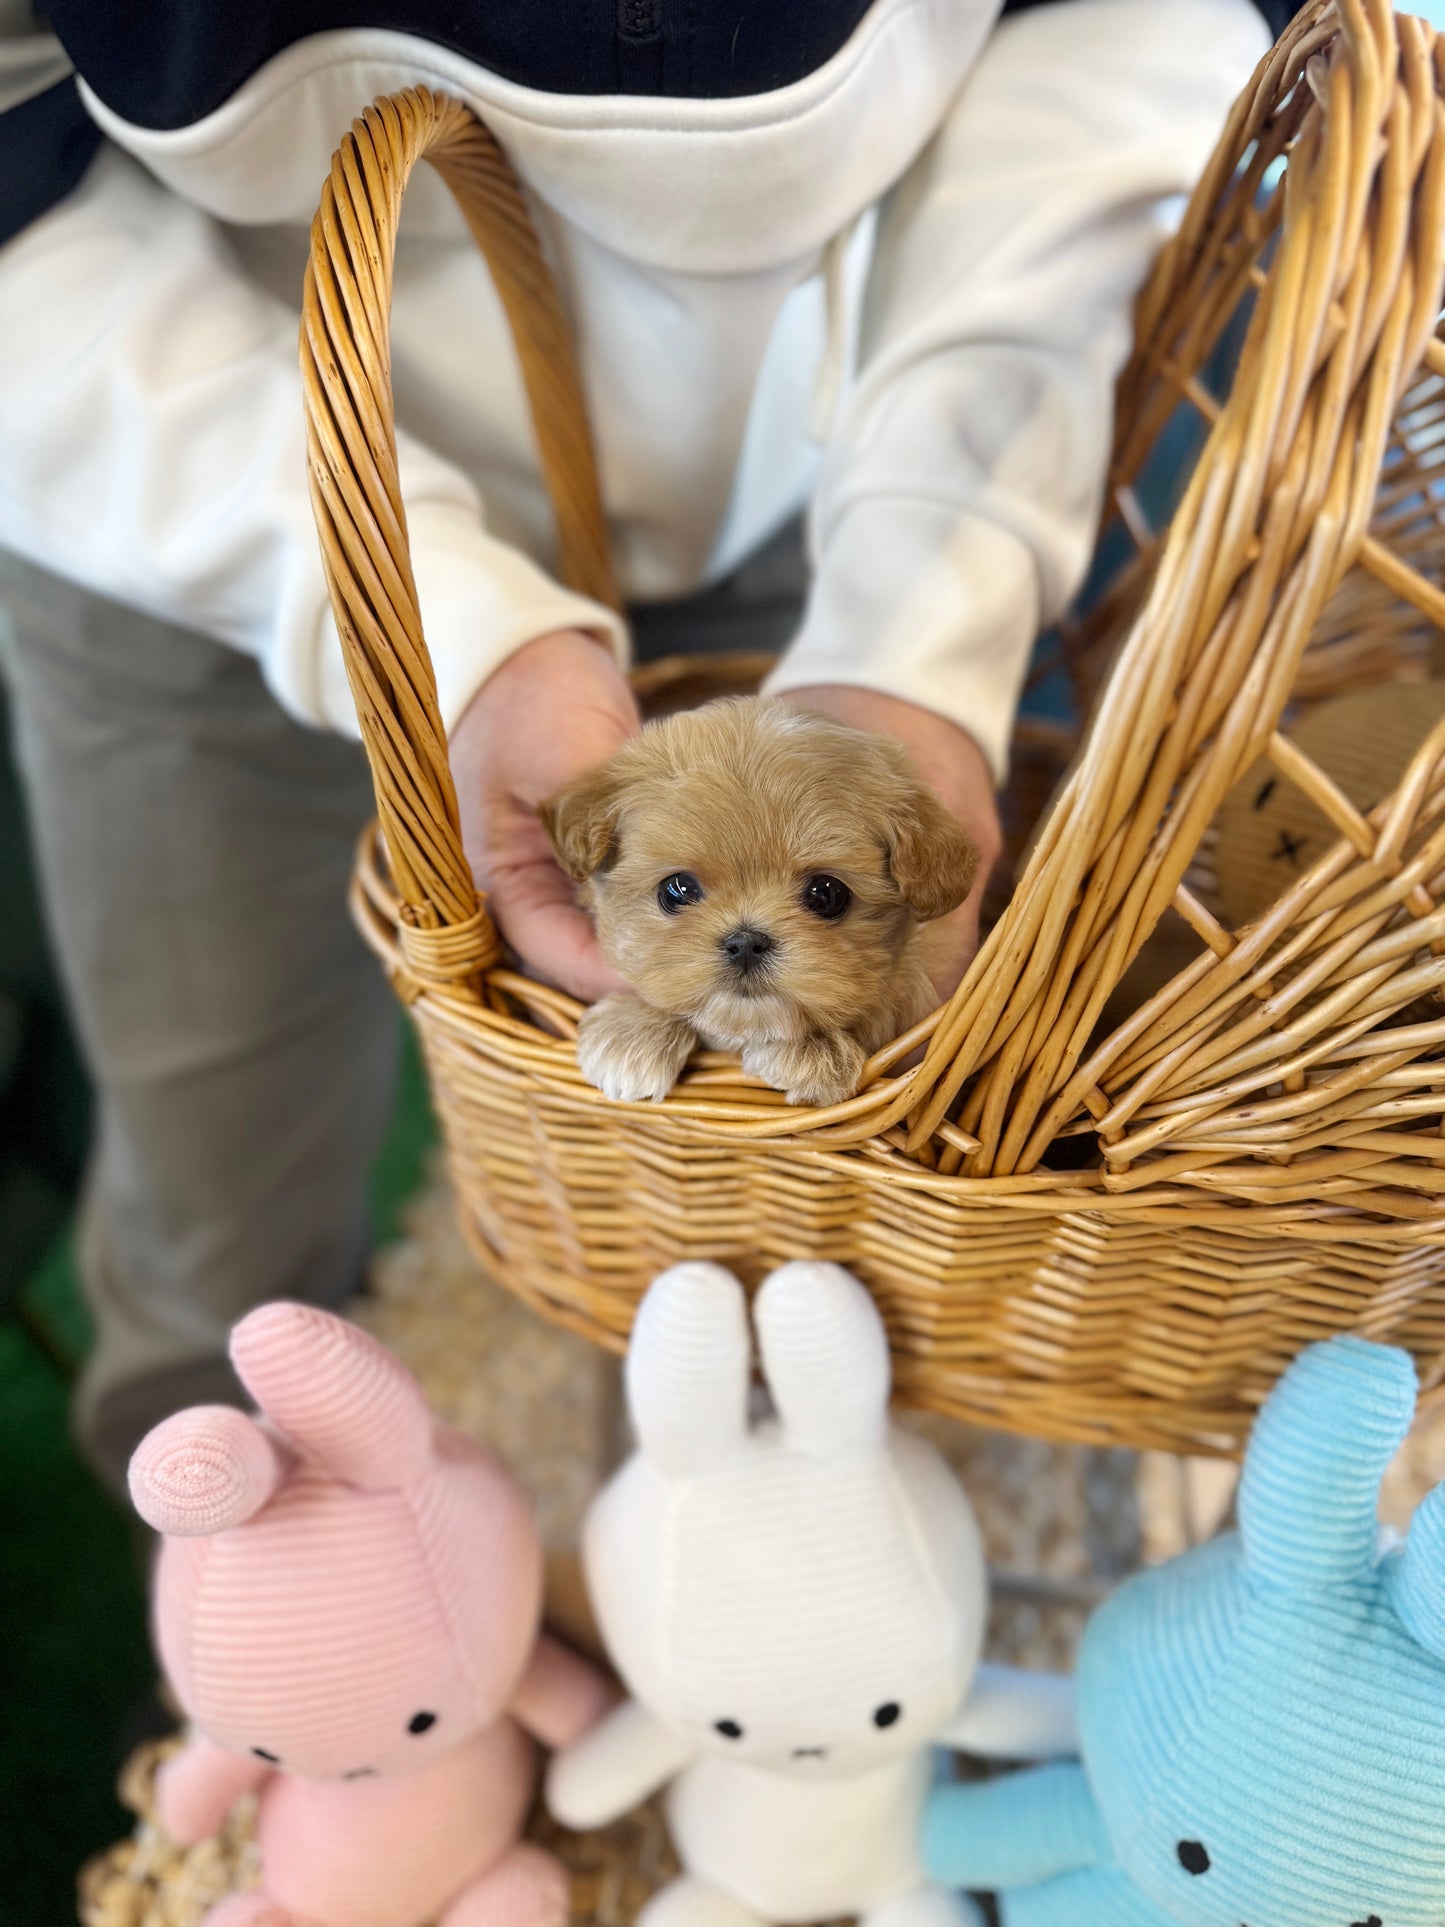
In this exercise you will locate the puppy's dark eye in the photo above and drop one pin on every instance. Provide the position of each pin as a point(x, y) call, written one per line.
point(674, 893)
point(887, 1713)
point(262, 1754)
point(421, 1722)
point(1192, 1857)
point(729, 1729)
point(826, 897)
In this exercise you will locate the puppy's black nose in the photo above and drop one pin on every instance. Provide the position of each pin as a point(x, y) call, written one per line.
point(746, 948)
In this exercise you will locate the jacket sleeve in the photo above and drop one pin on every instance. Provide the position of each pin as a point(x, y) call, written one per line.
point(964, 472)
point(152, 449)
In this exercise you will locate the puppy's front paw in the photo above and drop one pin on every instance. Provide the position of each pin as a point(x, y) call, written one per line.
point(823, 1069)
point(632, 1051)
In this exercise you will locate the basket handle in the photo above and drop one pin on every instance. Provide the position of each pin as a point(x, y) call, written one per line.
point(447, 934)
point(1277, 510)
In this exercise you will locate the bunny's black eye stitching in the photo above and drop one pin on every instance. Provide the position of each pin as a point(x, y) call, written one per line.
point(261, 1754)
point(1192, 1857)
point(421, 1722)
point(887, 1713)
point(1373, 1921)
point(826, 897)
point(674, 893)
point(729, 1729)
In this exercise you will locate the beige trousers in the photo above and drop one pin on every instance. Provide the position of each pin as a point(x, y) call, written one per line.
point(194, 846)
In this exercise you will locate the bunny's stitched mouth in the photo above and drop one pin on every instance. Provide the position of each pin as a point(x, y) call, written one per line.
point(359, 1773)
point(810, 1752)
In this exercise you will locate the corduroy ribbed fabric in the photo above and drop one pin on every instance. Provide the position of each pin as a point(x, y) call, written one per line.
point(797, 1607)
point(1263, 1719)
point(347, 1603)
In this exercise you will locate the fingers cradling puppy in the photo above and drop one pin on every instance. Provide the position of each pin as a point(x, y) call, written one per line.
point(760, 876)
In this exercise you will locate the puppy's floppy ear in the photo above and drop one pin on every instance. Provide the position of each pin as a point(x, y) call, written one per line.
point(930, 857)
point(582, 821)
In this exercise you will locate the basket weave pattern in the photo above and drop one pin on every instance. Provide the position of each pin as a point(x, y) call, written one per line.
point(1114, 1231)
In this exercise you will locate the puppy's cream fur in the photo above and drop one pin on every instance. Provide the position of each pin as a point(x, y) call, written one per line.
point(754, 799)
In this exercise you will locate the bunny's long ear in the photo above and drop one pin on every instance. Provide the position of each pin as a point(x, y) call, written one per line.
point(202, 1471)
point(338, 1395)
point(688, 1369)
point(825, 1357)
point(1416, 1576)
point(1321, 1445)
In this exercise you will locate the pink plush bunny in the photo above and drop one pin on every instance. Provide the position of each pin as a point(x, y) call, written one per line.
point(347, 1604)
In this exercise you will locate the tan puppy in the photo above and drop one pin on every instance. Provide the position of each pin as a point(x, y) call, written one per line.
point(758, 875)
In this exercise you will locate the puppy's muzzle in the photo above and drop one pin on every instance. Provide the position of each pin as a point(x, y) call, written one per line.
point(747, 950)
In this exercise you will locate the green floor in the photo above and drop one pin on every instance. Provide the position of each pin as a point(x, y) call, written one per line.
point(75, 1670)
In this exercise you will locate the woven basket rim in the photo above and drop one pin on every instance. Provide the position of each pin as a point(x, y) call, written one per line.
point(526, 1047)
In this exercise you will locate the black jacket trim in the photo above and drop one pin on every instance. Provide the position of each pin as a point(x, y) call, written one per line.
point(46, 144)
point(166, 63)
point(162, 64)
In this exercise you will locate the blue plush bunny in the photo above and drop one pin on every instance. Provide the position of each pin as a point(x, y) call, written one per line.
point(1262, 1720)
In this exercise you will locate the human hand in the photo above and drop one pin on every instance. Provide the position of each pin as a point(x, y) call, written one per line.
point(950, 760)
point(556, 708)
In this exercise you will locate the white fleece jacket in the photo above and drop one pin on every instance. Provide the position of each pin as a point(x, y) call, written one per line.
point(897, 291)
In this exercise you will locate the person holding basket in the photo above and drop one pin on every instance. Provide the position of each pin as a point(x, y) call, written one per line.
point(871, 263)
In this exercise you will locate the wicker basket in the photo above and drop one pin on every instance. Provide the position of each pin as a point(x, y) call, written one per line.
point(1077, 1224)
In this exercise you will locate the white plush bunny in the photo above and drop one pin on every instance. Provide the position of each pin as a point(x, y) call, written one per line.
point(797, 1608)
